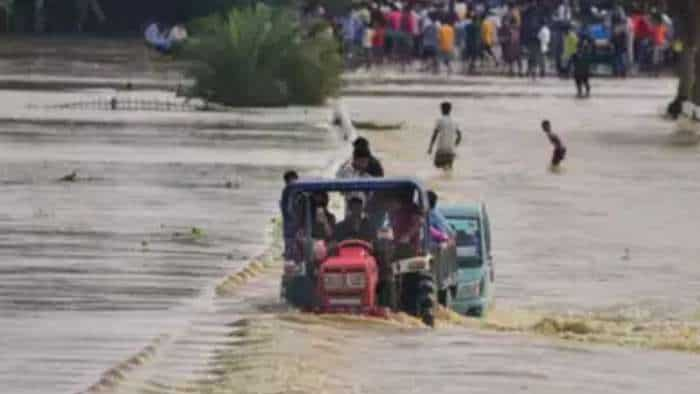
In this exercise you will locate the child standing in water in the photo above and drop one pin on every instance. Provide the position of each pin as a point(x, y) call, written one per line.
point(559, 148)
point(448, 137)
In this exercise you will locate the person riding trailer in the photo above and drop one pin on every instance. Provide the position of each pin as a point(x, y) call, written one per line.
point(397, 263)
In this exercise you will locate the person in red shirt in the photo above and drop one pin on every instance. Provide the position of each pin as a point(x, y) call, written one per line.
point(378, 42)
point(405, 36)
point(393, 33)
point(660, 31)
point(406, 222)
point(394, 18)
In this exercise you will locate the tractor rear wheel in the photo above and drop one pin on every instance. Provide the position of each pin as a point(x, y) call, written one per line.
point(426, 300)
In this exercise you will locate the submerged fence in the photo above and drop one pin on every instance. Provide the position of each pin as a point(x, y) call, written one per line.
point(134, 104)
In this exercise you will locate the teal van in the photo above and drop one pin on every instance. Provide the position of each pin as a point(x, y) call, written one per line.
point(475, 278)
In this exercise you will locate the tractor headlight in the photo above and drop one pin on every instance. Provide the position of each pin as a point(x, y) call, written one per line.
point(333, 281)
point(356, 280)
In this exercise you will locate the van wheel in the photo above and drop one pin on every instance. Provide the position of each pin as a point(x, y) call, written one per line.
point(476, 312)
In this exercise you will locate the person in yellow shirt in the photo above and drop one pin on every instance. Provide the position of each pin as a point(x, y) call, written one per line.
point(488, 30)
point(446, 41)
point(488, 39)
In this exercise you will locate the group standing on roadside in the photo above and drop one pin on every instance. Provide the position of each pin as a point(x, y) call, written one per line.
point(519, 37)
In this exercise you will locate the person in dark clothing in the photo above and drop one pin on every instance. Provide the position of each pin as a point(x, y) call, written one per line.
point(471, 34)
point(529, 28)
point(355, 225)
point(582, 72)
point(619, 42)
point(289, 224)
point(559, 148)
point(374, 168)
point(290, 177)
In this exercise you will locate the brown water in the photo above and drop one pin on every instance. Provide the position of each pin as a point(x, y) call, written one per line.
point(95, 270)
point(65, 56)
point(560, 238)
point(108, 269)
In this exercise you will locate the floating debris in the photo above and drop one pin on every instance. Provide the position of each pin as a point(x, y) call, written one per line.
point(374, 126)
point(197, 232)
point(234, 184)
point(72, 177)
point(626, 256)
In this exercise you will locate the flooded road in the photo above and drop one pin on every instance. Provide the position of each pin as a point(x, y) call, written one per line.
point(123, 263)
point(560, 239)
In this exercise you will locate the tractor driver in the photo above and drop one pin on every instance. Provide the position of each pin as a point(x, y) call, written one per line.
point(355, 225)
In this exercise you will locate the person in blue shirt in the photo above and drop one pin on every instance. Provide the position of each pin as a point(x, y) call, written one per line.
point(437, 219)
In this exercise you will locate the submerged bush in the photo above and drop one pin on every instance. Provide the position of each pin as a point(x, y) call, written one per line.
point(259, 57)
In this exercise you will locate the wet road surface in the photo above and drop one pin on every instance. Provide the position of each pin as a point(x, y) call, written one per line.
point(560, 239)
point(83, 292)
point(96, 269)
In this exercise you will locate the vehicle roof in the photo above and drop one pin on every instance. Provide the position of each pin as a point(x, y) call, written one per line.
point(352, 185)
point(310, 185)
point(467, 210)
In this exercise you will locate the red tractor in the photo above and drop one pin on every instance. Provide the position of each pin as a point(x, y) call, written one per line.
point(349, 279)
point(388, 271)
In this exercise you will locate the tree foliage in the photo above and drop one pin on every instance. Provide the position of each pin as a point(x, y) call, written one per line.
point(258, 56)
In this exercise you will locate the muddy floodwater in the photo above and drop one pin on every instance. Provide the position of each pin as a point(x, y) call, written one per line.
point(561, 238)
point(123, 261)
point(612, 236)
point(97, 267)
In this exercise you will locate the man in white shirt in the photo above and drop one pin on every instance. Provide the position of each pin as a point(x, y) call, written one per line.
point(356, 168)
point(545, 37)
point(448, 137)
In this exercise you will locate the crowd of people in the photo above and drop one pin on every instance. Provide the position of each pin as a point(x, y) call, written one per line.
point(518, 37)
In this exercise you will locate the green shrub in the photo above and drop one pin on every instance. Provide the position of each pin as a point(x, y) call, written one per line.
point(259, 57)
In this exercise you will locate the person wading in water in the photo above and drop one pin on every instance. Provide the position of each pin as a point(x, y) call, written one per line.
point(448, 137)
point(559, 148)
